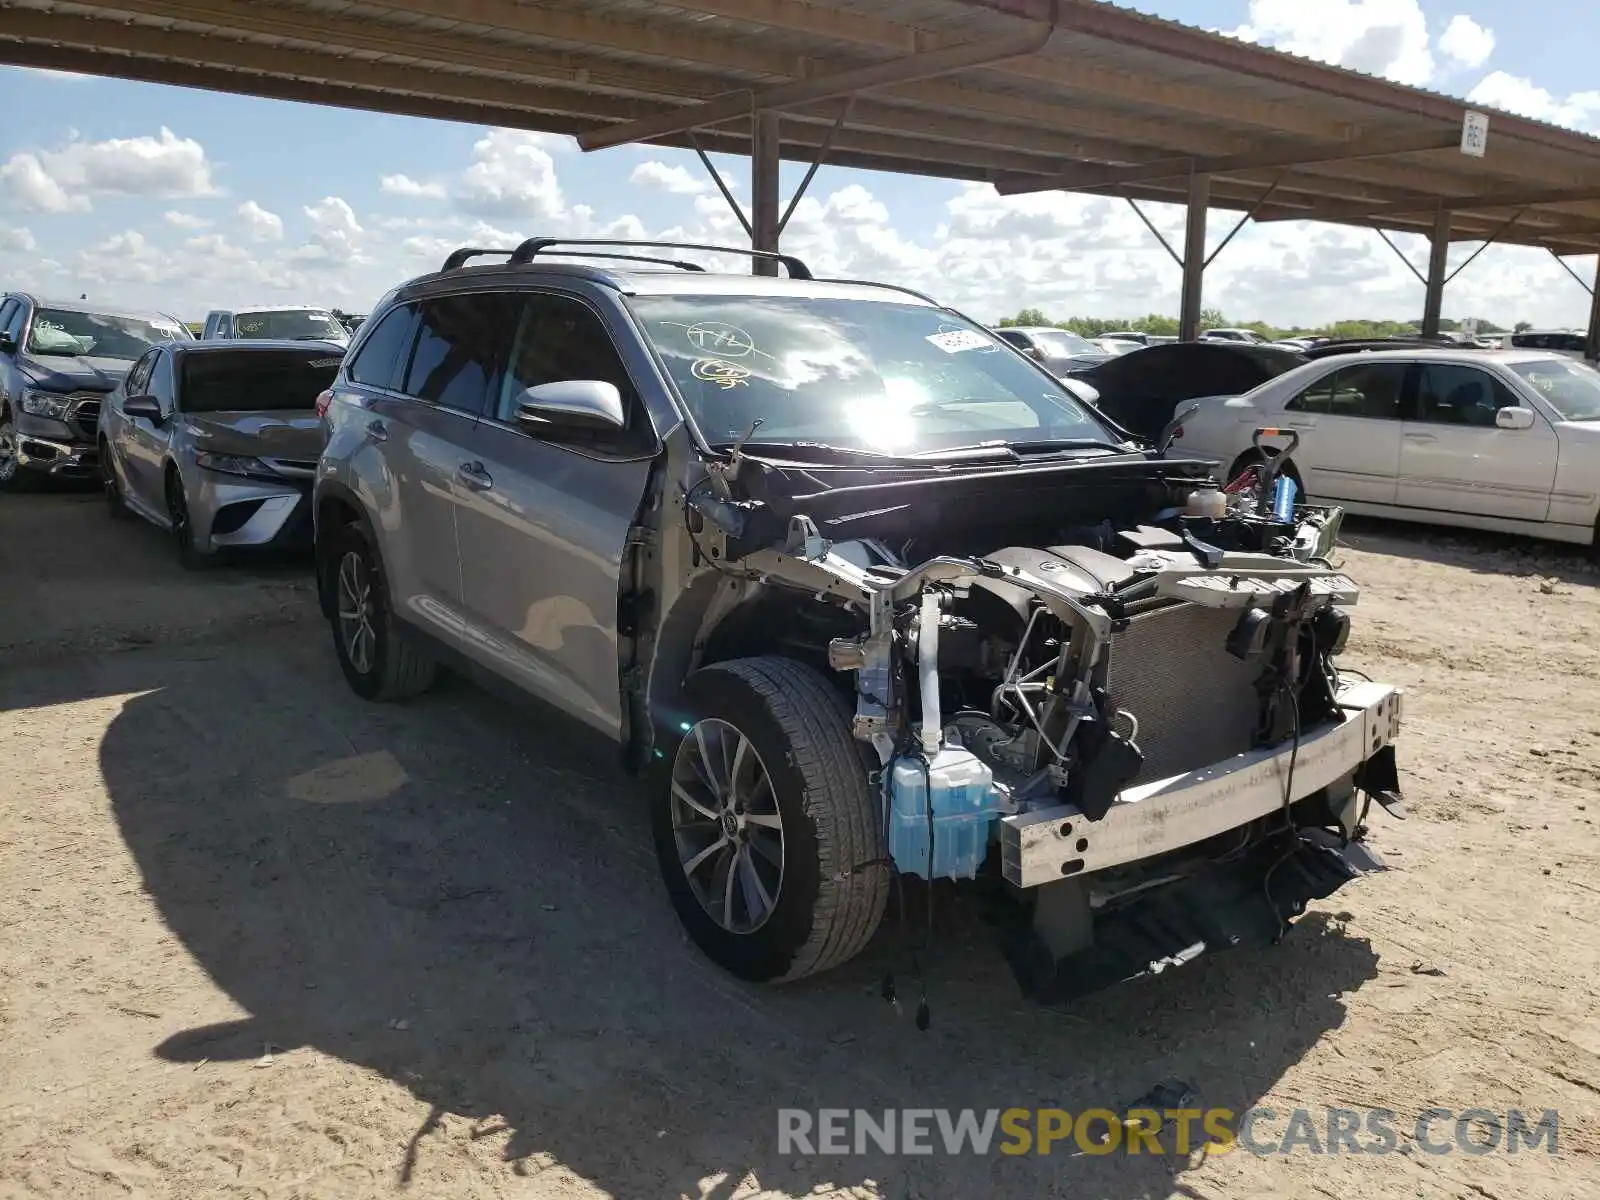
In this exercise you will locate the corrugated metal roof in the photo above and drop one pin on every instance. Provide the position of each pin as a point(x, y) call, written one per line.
point(1111, 86)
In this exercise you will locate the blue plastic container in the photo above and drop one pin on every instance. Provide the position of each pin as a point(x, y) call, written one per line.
point(1283, 499)
point(964, 804)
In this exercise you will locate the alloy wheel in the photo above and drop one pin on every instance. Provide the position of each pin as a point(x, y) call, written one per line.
point(727, 826)
point(356, 631)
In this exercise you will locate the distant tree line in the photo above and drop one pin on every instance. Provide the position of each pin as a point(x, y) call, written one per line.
point(1211, 318)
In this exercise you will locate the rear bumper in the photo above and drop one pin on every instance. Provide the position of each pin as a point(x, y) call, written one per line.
point(1151, 819)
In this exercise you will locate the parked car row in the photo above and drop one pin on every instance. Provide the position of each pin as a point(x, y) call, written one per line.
point(60, 360)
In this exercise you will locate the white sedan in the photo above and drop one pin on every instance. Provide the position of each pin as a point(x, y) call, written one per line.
point(1503, 441)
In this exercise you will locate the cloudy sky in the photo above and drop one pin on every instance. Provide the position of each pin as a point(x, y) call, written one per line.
point(184, 201)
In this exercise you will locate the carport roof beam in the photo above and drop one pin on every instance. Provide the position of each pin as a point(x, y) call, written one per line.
point(1090, 175)
point(1477, 203)
point(733, 105)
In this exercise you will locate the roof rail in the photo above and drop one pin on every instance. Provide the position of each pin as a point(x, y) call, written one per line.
point(458, 258)
point(893, 287)
point(541, 245)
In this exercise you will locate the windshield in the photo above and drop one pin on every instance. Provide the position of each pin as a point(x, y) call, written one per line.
point(67, 334)
point(864, 374)
point(254, 380)
point(1570, 387)
point(290, 323)
point(1058, 343)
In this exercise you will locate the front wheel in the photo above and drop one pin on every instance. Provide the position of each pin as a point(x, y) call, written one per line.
point(768, 834)
point(115, 504)
point(12, 477)
point(182, 525)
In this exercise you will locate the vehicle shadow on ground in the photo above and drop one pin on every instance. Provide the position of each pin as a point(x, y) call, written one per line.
point(1477, 550)
point(460, 895)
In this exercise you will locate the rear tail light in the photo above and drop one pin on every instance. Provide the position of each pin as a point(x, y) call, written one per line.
point(324, 398)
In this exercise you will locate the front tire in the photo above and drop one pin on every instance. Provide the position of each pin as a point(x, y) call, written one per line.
point(768, 835)
point(116, 506)
point(12, 477)
point(381, 661)
point(181, 524)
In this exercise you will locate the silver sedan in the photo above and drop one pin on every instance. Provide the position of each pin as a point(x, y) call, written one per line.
point(217, 442)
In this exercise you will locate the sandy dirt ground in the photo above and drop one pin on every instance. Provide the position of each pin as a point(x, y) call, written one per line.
point(261, 939)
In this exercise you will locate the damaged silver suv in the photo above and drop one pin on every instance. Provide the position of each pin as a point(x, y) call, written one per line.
point(858, 589)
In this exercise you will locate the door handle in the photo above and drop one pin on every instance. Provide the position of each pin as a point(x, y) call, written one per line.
point(1420, 437)
point(377, 430)
point(474, 476)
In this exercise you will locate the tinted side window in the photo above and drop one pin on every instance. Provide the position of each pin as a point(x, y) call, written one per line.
point(379, 361)
point(7, 311)
point(139, 377)
point(1451, 394)
point(1362, 390)
point(560, 339)
point(16, 320)
point(161, 380)
point(459, 349)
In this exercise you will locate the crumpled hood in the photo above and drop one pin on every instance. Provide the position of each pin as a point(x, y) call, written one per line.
point(80, 374)
point(285, 434)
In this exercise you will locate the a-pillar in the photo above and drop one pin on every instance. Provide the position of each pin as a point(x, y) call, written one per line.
point(1194, 258)
point(1438, 254)
point(764, 165)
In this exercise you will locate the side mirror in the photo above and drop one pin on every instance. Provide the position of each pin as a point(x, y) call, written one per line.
point(1514, 418)
point(571, 404)
point(143, 406)
point(8, 342)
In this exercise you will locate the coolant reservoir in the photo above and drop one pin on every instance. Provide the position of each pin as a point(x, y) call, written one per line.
point(1207, 500)
point(964, 802)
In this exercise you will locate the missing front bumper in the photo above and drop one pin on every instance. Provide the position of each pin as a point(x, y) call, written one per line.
point(1251, 901)
point(1047, 845)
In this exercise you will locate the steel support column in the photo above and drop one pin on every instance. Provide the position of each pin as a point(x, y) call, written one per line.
point(1591, 349)
point(764, 163)
point(1194, 258)
point(1438, 253)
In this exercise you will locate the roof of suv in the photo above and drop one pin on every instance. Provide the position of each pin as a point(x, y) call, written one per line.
point(666, 282)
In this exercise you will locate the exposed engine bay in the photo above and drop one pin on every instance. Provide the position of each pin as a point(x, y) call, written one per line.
point(1103, 682)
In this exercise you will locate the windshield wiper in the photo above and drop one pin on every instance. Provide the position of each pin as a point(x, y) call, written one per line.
point(1019, 450)
point(803, 446)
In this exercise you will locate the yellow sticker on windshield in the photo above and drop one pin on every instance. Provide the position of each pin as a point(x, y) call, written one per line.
point(721, 372)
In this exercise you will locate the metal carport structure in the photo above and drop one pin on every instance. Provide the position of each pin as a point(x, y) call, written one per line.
point(1029, 95)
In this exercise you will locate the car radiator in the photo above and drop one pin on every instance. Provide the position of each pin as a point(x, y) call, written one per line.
point(1196, 704)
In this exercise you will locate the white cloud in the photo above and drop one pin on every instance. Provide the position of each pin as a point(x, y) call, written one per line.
point(16, 240)
point(183, 220)
point(33, 189)
point(404, 185)
point(675, 178)
point(1378, 37)
point(336, 235)
point(1580, 110)
point(65, 179)
point(259, 224)
point(511, 175)
point(1466, 42)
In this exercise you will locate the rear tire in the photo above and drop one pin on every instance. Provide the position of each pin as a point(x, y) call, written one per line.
point(827, 896)
point(380, 658)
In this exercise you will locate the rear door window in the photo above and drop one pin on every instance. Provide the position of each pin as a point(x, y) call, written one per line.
point(383, 354)
point(1370, 390)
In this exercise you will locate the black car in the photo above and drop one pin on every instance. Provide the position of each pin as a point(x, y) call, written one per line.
point(58, 361)
point(1141, 390)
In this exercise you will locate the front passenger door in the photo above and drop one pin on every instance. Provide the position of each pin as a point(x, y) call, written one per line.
point(145, 442)
point(545, 527)
point(1455, 459)
point(1349, 424)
